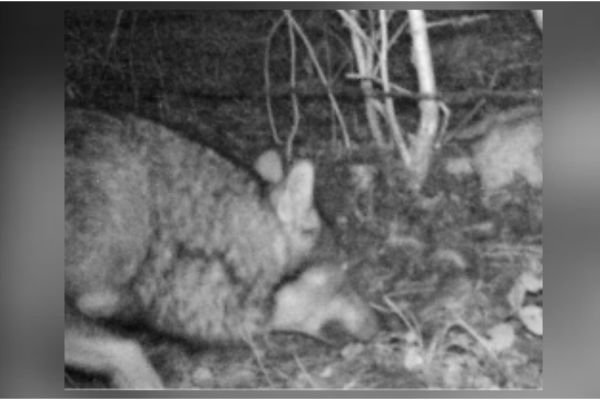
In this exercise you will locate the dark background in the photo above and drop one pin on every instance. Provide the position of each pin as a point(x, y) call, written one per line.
point(32, 211)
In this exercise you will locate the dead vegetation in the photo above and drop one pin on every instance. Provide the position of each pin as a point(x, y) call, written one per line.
point(458, 284)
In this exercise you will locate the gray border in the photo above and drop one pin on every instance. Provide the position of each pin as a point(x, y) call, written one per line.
point(31, 157)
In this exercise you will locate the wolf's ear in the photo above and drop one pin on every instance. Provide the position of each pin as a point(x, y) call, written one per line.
point(295, 202)
point(269, 166)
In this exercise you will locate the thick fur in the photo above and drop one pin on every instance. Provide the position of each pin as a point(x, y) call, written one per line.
point(164, 231)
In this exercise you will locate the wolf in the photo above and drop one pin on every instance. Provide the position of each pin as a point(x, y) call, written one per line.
point(165, 233)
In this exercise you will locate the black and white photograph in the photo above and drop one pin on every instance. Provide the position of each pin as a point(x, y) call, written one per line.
point(303, 198)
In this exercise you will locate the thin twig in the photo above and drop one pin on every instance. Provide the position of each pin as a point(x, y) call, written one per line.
point(332, 77)
point(482, 341)
point(446, 115)
point(267, 77)
point(113, 35)
point(390, 112)
point(248, 339)
point(364, 55)
point(304, 371)
point(322, 77)
point(458, 22)
point(399, 90)
point(356, 29)
point(397, 33)
point(293, 95)
point(430, 352)
point(410, 322)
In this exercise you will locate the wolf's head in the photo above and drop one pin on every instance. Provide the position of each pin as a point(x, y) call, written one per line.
point(320, 297)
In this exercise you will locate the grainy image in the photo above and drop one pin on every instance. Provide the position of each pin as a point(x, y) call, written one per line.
point(254, 200)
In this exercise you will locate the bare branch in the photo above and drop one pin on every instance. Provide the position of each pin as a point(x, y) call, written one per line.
point(390, 112)
point(350, 21)
point(459, 22)
point(322, 77)
point(267, 76)
point(428, 123)
point(293, 96)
